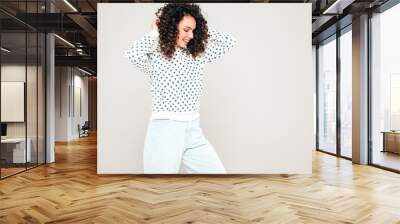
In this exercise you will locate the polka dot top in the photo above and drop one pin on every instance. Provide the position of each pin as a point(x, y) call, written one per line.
point(176, 84)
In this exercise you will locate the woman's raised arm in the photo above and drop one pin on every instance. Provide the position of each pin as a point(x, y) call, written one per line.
point(218, 44)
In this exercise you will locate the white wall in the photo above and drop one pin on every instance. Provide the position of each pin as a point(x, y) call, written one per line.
point(68, 81)
point(80, 84)
point(257, 107)
point(61, 103)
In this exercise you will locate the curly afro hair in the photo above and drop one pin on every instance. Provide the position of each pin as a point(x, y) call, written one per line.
point(170, 15)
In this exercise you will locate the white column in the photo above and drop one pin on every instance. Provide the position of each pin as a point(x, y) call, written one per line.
point(50, 92)
point(360, 90)
point(50, 100)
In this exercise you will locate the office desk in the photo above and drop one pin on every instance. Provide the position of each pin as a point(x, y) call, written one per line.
point(391, 141)
point(13, 150)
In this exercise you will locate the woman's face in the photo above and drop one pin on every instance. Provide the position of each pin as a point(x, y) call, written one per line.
point(185, 31)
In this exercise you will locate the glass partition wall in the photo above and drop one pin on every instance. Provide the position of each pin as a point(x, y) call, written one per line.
point(13, 89)
point(22, 77)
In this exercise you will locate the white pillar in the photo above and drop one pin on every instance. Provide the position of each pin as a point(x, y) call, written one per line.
point(50, 93)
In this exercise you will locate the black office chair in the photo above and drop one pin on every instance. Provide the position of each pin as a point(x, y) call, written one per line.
point(84, 130)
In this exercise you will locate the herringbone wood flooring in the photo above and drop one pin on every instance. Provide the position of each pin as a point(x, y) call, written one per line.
point(70, 191)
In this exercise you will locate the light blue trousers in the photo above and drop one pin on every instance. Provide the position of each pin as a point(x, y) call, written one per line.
point(169, 143)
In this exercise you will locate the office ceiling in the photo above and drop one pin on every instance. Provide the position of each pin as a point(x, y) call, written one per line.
point(76, 22)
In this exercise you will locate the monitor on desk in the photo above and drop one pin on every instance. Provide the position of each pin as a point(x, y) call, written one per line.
point(3, 130)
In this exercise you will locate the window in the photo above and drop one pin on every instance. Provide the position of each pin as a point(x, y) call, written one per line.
point(385, 88)
point(346, 93)
point(327, 96)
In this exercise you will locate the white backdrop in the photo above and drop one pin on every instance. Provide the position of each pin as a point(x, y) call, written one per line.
point(257, 107)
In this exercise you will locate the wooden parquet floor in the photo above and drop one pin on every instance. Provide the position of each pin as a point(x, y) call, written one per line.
point(70, 191)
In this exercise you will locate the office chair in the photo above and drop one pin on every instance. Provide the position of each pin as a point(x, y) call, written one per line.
point(84, 130)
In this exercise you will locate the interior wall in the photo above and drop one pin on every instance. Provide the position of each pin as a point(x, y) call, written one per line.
point(69, 84)
point(62, 80)
point(80, 109)
point(92, 108)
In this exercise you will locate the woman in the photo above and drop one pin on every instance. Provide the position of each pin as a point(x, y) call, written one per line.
point(173, 54)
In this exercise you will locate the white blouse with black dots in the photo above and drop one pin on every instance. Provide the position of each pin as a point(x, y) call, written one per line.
point(176, 84)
